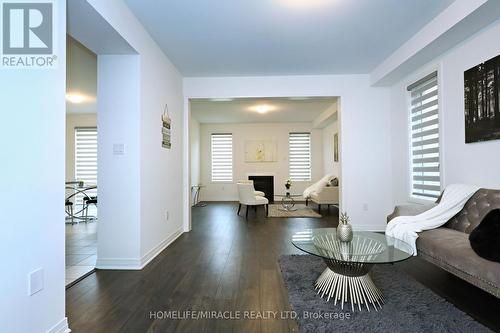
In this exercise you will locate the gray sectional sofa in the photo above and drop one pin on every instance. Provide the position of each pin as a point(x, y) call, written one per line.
point(448, 246)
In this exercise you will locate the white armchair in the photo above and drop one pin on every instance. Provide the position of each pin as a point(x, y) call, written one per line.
point(259, 193)
point(247, 197)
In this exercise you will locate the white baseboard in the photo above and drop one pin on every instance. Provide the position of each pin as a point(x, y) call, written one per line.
point(137, 263)
point(151, 254)
point(374, 228)
point(60, 327)
point(118, 263)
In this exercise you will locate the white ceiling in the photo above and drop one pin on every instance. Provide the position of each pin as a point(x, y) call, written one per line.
point(282, 37)
point(88, 27)
point(244, 110)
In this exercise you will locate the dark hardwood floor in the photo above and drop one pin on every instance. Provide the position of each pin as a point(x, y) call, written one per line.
point(227, 263)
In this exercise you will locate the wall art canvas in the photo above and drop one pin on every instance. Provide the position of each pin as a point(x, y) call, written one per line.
point(482, 101)
point(260, 151)
point(165, 131)
point(336, 147)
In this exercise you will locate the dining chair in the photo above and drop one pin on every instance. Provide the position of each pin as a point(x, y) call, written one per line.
point(87, 201)
point(69, 210)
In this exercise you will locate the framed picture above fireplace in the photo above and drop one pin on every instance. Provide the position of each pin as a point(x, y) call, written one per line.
point(482, 101)
point(260, 151)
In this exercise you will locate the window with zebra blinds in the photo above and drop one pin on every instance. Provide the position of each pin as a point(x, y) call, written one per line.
point(425, 174)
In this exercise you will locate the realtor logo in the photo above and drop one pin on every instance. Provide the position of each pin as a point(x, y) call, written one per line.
point(27, 34)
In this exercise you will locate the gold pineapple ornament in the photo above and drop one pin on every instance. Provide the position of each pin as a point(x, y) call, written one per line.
point(344, 229)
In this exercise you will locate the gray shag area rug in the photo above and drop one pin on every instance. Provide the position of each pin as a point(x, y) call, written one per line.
point(409, 306)
point(299, 210)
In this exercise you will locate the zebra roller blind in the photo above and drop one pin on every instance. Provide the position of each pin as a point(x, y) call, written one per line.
point(222, 157)
point(300, 156)
point(424, 129)
point(86, 158)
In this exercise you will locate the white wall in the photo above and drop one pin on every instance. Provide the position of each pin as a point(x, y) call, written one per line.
point(329, 165)
point(195, 150)
point(161, 169)
point(118, 175)
point(277, 132)
point(476, 163)
point(364, 127)
point(32, 176)
point(72, 121)
point(158, 182)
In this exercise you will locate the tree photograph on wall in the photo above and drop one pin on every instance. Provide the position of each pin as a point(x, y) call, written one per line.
point(481, 100)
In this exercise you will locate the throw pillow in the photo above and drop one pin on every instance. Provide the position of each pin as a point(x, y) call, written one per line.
point(485, 238)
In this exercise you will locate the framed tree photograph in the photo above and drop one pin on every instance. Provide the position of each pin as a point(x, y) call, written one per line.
point(481, 100)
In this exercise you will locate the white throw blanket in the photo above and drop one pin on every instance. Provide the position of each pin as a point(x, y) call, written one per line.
point(318, 186)
point(405, 228)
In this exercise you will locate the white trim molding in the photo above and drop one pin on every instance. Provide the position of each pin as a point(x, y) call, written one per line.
point(60, 327)
point(118, 263)
point(368, 227)
point(137, 263)
point(151, 254)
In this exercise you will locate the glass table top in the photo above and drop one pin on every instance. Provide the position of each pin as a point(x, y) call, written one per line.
point(365, 247)
point(288, 195)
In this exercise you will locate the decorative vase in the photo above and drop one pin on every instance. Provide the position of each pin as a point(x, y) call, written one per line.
point(344, 232)
point(344, 229)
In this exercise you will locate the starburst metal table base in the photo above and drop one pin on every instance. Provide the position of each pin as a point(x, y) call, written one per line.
point(352, 284)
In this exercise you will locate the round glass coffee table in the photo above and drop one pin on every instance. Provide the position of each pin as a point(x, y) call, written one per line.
point(288, 201)
point(348, 264)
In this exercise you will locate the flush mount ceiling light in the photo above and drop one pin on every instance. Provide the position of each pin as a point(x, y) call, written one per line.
point(77, 98)
point(262, 108)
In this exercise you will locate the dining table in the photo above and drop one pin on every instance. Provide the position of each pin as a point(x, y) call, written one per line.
point(76, 188)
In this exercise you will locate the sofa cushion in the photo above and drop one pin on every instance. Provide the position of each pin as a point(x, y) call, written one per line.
point(452, 248)
point(485, 239)
point(476, 208)
point(333, 182)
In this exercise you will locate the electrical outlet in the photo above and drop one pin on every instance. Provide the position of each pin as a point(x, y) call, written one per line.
point(35, 281)
point(118, 149)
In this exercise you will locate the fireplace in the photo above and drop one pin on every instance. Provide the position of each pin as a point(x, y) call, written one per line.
point(264, 184)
